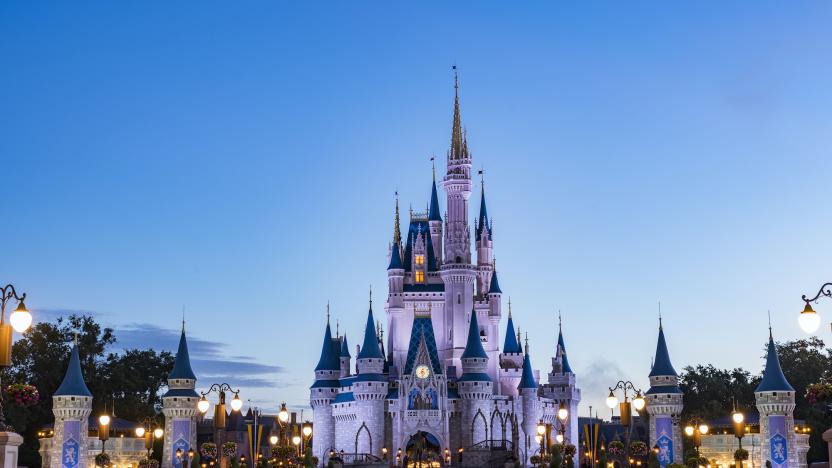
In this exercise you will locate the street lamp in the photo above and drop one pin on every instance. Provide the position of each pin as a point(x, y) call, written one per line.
point(219, 409)
point(696, 431)
point(809, 320)
point(103, 429)
point(20, 319)
point(283, 420)
point(624, 407)
point(149, 429)
point(739, 429)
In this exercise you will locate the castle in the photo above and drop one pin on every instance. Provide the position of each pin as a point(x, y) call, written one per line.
point(440, 379)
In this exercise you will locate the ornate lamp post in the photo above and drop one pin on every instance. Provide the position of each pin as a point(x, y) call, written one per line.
point(20, 319)
point(625, 407)
point(283, 421)
point(809, 320)
point(739, 429)
point(103, 429)
point(219, 409)
point(149, 429)
point(696, 431)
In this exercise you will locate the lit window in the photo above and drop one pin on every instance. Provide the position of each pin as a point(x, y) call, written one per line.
point(420, 259)
point(420, 276)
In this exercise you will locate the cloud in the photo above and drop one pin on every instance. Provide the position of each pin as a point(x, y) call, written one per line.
point(52, 315)
point(594, 382)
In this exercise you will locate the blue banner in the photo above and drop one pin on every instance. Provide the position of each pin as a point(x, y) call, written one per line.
point(664, 440)
point(71, 445)
point(181, 441)
point(777, 441)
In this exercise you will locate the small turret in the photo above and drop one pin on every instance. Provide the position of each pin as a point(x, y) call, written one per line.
point(561, 386)
point(664, 405)
point(345, 357)
point(179, 407)
point(775, 398)
point(475, 386)
point(370, 360)
point(323, 393)
point(485, 259)
point(527, 380)
point(435, 219)
point(71, 405)
point(530, 405)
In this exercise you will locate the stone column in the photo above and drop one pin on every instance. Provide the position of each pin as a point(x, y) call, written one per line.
point(9, 443)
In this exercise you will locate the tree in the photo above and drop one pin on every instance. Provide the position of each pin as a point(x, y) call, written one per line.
point(710, 393)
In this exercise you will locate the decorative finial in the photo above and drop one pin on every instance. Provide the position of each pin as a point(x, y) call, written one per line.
point(560, 321)
point(518, 335)
point(509, 307)
point(770, 335)
point(527, 342)
point(433, 165)
point(397, 234)
point(337, 328)
point(456, 78)
point(327, 312)
point(371, 297)
point(183, 318)
point(481, 173)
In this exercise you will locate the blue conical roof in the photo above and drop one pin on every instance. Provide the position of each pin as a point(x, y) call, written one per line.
point(370, 349)
point(182, 364)
point(773, 378)
point(527, 379)
point(73, 383)
point(345, 348)
point(329, 359)
point(511, 345)
point(494, 288)
point(433, 213)
point(395, 258)
point(482, 225)
point(662, 365)
point(564, 361)
point(474, 349)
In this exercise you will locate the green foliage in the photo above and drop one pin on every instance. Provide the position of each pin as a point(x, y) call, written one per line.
point(134, 378)
point(676, 465)
point(710, 392)
point(195, 463)
point(653, 460)
point(556, 459)
point(740, 454)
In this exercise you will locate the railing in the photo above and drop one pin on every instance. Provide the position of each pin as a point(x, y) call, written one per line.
point(492, 444)
point(353, 458)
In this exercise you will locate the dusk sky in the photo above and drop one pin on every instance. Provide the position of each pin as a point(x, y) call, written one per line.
point(241, 159)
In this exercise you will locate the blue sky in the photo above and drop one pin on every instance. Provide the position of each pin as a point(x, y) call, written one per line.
point(241, 160)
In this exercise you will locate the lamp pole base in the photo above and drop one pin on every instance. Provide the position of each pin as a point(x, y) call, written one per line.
point(9, 444)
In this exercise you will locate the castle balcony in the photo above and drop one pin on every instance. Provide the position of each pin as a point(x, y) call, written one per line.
point(431, 417)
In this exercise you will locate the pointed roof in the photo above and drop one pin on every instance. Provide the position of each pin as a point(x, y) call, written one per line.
point(182, 364)
point(527, 378)
point(483, 223)
point(662, 365)
point(345, 348)
point(511, 346)
point(564, 361)
point(73, 383)
point(395, 258)
point(370, 349)
point(422, 334)
point(474, 349)
point(494, 287)
point(433, 212)
point(459, 143)
point(773, 378)
point(329, 359)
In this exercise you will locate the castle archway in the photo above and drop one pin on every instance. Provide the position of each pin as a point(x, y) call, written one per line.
point(423, 450)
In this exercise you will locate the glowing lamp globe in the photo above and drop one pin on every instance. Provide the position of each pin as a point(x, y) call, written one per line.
point(203, 405)
point(158, 432)
point(689, 430)
point(809, 320)
point(639, 402)
point(703, 429)
point(236, 403)
point(612, 401)
point(563, 413)
point(307, 430)
point(559, 438)
point(273, 440)
point(140, 431)
point(538, 438)
point(738, 417)
point(104, 420)
point(296, 440)
point(541, 428)
point(20, 319)
point(283, 415)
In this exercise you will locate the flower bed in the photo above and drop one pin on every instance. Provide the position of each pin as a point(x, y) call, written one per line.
point(208, 450)
point(616, 449)
point(229, 449)
point(23, 395)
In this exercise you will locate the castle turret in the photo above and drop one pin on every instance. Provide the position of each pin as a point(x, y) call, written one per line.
point(475, 387)
point(511, 359)
point(322, 394)
point(775, 403)
point(435, 220)
point(562, 388)
point(664, 405)
point(71, 405)
point(531, 409)
point(179, 407)
point(485, 258)
point(345, 357)
point(369, 389)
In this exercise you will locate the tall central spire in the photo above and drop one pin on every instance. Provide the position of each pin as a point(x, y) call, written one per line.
point(459, 143)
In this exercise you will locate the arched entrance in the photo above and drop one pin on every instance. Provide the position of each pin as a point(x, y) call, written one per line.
point(423, 451)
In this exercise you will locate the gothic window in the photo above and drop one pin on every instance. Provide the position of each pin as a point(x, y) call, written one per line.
point(420, 260)
point(420, 276)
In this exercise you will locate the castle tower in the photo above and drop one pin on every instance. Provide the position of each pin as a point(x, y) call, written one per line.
point(435, 221)
point(562, 388)
point(457, 272)
point(369, 388)
point(511, 359)
point(179, 407)
point(71, 405)
point(345, 357)
point(664, 405)
point(322, 394)
point(485, 258)
point(475, 388)
point(531, 411)
point(775, 402)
